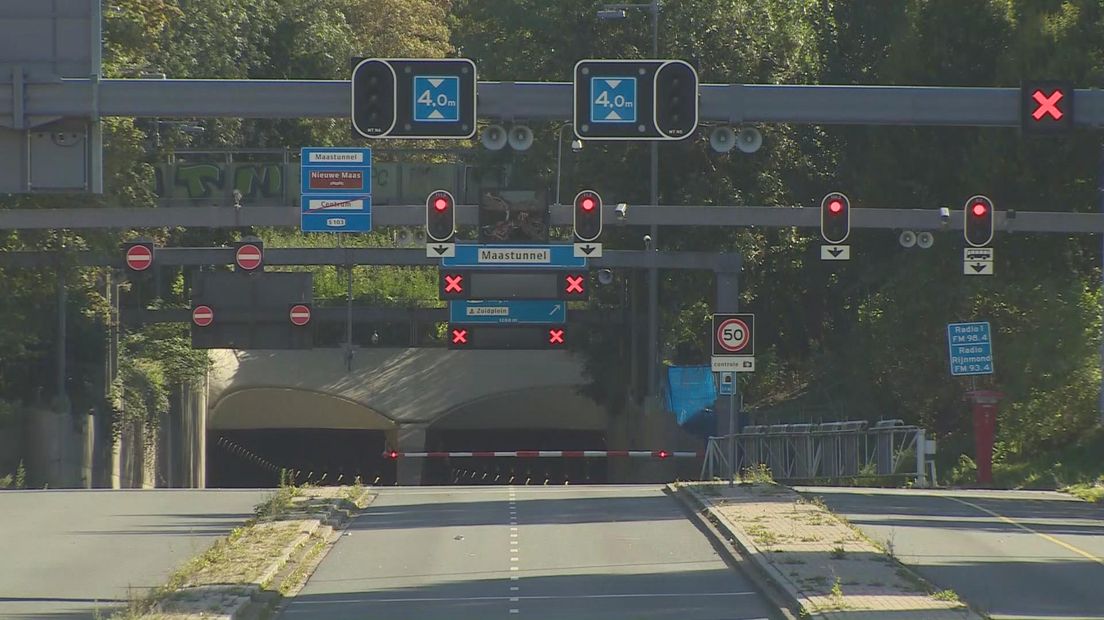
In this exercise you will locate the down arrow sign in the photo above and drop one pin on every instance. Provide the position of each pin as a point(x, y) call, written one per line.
point(587, 249)
point(978, 267)
point(440, 249)
point(835, 252)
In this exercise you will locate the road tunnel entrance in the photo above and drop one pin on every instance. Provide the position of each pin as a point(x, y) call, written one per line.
point(255, 457)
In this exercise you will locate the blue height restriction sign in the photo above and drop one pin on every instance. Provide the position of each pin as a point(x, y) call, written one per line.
point(436, 99)
point(613, 100)
point(971, 348)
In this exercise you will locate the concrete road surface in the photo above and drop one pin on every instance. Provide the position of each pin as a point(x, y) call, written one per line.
point(1013, 554)
point(541, 553)
point(65, 553)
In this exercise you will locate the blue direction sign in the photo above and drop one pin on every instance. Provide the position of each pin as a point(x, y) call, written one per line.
point(971, 349)
point(613, 100)
point(508, 311)
point(436, 99)
point(529, 256)
point(336, 189)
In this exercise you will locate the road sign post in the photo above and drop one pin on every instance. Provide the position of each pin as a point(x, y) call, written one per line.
point(336, 192)
point(970, 348)
point(139, 256)
point(733, 342)
point(299, 315)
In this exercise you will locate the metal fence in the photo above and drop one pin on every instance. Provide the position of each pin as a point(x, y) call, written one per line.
point(828, 451)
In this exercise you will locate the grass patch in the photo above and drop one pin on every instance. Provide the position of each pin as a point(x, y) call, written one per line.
point(763, 536)
point(760, 474)
point(1089, 492)
point(949, 596)
point(838, 553)
point(278, 503)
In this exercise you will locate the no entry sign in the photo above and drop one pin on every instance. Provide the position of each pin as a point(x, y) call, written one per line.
point(203, 316)
point(139, 257)
point(248, 256)
point(300, 315)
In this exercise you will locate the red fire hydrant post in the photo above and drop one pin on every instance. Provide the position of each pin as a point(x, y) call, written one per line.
point(984, 404)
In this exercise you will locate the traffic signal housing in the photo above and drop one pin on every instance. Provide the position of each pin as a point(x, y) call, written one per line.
point(374, 97)
point(440, 216)
point(978, 227)
point(676, 99)
point(588, 215)
point(835, 218)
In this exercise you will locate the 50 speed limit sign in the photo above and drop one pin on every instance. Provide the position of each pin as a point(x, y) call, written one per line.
point(734, 342)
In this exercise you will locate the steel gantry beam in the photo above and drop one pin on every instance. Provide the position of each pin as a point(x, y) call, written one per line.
point(729, 103)
point(467, 215)
point(198, 257)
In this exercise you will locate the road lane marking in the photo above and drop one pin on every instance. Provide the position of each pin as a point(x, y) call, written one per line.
point(514, 577)
point(514, 588)
point(513, 599)
point(539, 597)
point(1060, 543)
point(514, 611)
point(514, 568)
point(513, 529)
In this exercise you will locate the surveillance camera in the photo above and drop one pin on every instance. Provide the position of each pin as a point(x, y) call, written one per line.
point(647, 242)
point(605, 276)
point(237, 198)
point(576, 145)
point(944, 215)
point(622, 210)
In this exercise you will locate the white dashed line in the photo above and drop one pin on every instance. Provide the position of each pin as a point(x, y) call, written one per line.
point(514, 577)
point(513, 529)
point(513, 599)
point(514, 588)
point(514, 611)
point(514, 568)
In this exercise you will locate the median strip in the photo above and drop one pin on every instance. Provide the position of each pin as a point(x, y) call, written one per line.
point(263, 561)
point(823, 567)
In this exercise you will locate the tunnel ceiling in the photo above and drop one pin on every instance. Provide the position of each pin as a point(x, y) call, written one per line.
point(292, 408)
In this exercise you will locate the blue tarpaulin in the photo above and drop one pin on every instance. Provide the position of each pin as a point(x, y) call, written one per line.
point(690, 394)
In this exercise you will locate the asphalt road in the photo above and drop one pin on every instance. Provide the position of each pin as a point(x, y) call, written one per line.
point(1012, 554)
point(544, 553)
point(65, 553)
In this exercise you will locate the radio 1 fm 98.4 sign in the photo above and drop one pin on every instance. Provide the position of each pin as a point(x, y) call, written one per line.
point(733, 342)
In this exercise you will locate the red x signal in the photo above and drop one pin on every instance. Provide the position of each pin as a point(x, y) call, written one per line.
point(459, 336)
point(555, 336)
point(574, 284)
point(454, 284)
point(1047, 105)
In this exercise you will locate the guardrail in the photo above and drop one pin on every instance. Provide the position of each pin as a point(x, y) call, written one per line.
point(829, 451)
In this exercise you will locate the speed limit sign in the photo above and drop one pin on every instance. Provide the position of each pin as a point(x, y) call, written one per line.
point(734, 342)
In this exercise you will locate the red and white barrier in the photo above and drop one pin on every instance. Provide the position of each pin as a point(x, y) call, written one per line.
point(556, 454)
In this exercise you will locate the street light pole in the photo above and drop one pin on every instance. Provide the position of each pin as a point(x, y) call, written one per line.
point(653, 273)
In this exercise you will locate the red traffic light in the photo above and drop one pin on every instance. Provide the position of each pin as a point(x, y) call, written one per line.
point(835, 206)
point(978, 227)
point(459, 336)
point(663, 454)
point(440, 204)
point(835, 218)
point(556, 335)
point(392, 454)
point(440, 216)
point(588, 215)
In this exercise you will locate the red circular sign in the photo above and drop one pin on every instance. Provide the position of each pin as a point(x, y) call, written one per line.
point(203, 316)
point(248, 256)
point(733, 335)
point(300, 315)
point(139, 258)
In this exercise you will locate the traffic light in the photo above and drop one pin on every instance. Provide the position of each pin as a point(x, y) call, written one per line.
point(1046, 107)
point(978, 228)
point(835, 218)
point(676, 99)
point(588, 215)
point(374, 98)
point(440, 216)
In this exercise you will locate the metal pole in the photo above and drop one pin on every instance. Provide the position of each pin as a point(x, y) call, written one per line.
point(653, 272)
point(62, 298)
point(559, 159)
point(732, 435)
point(1100, 191)
point(349, 320)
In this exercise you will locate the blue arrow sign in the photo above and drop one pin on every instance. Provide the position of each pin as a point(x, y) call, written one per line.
point(613, 99)
point(494, 255)
point(512, 311)
point(970, 347)
point(436, 99)
point(336, 189)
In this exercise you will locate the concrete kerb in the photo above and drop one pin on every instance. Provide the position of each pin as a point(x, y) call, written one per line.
point(766, 574)
point(235, 601)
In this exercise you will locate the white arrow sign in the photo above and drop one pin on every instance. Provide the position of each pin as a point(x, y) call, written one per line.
point(588, 250)
point(440, 250)
point(835, 252)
